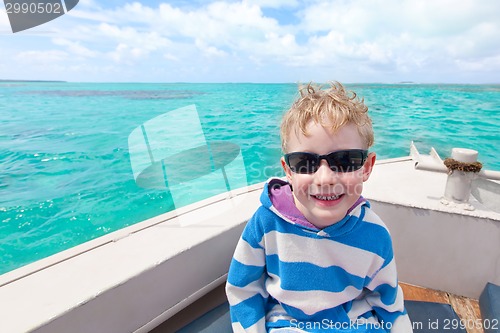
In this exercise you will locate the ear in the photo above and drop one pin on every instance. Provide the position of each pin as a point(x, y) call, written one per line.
point(287, 170)
point(368, 167)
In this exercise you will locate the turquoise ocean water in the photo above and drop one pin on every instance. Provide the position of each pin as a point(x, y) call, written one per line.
point(66, 175)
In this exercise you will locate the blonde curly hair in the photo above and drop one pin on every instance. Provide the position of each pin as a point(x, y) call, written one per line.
point(332, 108)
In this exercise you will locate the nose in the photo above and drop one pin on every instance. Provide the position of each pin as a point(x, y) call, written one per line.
point(324, 175)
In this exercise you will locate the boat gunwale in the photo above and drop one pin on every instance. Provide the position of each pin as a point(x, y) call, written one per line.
point(44, 263)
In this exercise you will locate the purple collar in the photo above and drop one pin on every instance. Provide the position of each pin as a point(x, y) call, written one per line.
point(283, 200)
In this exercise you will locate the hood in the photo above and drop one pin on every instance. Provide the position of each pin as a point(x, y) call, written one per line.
point(278, 198)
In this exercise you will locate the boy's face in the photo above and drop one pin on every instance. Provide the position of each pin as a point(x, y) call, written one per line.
point(324, 197)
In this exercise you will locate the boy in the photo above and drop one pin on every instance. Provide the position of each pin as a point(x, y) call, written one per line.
point(314, 257)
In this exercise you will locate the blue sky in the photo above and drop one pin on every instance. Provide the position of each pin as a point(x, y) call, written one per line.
point(426, 41)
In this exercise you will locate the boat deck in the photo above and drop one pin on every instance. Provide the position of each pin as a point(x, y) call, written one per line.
point(467, 309)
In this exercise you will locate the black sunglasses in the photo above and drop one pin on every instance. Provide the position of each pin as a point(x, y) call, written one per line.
point(339, 161)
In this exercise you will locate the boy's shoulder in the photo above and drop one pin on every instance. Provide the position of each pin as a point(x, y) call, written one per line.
point(262, 218)
point(374, 234)
point(371, 217)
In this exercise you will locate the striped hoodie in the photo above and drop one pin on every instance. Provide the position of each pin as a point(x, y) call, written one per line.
point(285, 272)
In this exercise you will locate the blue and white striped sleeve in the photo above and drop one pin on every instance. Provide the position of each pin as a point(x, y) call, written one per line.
point(245, 287)
point(387, 300)
point(386, 296)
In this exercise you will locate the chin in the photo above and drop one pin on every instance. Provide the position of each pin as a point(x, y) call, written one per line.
point(326, 220)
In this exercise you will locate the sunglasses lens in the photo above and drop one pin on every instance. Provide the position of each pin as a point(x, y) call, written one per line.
point(347, 160)
point(302, 162)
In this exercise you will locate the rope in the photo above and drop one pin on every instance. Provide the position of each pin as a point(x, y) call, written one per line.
point(453, 164)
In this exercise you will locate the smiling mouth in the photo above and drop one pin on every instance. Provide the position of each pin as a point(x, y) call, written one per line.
point(328, 197)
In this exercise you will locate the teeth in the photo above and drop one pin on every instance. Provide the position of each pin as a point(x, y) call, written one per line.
point(324, 197)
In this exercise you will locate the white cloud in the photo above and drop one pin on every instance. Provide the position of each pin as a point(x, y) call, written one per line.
point(125, 53)
point(147, 40)
point(274, 3)
point(487, 64)
point(131, 45)
point(171, 57)
point(75, 48)
point(208, 50)
point(42, 57)
point(408, 37)
point(217, 23)
point(92, 15)
point(4, 21)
